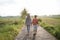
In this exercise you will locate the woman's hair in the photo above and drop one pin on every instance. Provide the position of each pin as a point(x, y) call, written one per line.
point(28, 15)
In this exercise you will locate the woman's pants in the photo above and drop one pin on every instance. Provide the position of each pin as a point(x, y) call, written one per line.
point(28, 28)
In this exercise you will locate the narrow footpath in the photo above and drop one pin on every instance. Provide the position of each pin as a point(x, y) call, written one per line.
point(42, 34)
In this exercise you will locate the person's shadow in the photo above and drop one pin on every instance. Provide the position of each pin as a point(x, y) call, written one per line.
point(34, 36)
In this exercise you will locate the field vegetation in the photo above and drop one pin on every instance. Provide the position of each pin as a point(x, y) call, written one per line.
point(52, 25)
point(10, 27)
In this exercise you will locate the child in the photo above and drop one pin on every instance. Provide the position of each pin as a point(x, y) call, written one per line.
point(35, 24)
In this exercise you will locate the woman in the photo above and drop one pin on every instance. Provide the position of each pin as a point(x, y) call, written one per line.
point(28, 22)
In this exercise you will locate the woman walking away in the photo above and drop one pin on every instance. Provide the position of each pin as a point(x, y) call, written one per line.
point(28, 23)
point(35, 24)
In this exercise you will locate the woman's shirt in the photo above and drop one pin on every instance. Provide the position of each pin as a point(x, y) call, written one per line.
point(28, 21)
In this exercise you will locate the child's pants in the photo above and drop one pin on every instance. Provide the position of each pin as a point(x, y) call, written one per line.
point(35, 28)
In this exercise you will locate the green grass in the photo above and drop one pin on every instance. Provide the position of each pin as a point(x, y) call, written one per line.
point(8, 32)
point(52, 25)
point(9, 28)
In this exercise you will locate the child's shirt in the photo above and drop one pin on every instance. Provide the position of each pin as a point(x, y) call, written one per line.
point(35, 21)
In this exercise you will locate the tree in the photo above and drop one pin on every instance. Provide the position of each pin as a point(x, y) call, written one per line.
point(23, 13)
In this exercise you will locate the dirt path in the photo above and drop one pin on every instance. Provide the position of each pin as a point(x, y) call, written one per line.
point(42, 34)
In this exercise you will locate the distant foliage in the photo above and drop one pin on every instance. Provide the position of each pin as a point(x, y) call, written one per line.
point(55, 16)
point(23, 13)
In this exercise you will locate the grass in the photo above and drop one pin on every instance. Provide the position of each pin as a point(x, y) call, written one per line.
point(52, 25)
point(9, 28)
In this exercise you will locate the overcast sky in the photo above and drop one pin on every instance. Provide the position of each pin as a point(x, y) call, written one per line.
point(34, 7)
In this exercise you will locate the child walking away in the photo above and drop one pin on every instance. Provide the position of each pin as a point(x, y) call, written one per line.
point(28, 23)
point(35, 24)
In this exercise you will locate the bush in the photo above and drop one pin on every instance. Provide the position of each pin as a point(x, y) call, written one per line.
point(40, 20)
point(57, 35)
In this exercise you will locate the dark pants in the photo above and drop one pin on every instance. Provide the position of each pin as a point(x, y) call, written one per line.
point(28, 28)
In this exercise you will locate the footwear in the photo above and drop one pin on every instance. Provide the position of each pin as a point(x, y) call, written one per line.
point(34, 34)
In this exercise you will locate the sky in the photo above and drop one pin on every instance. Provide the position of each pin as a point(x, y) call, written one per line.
point(34, 7)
